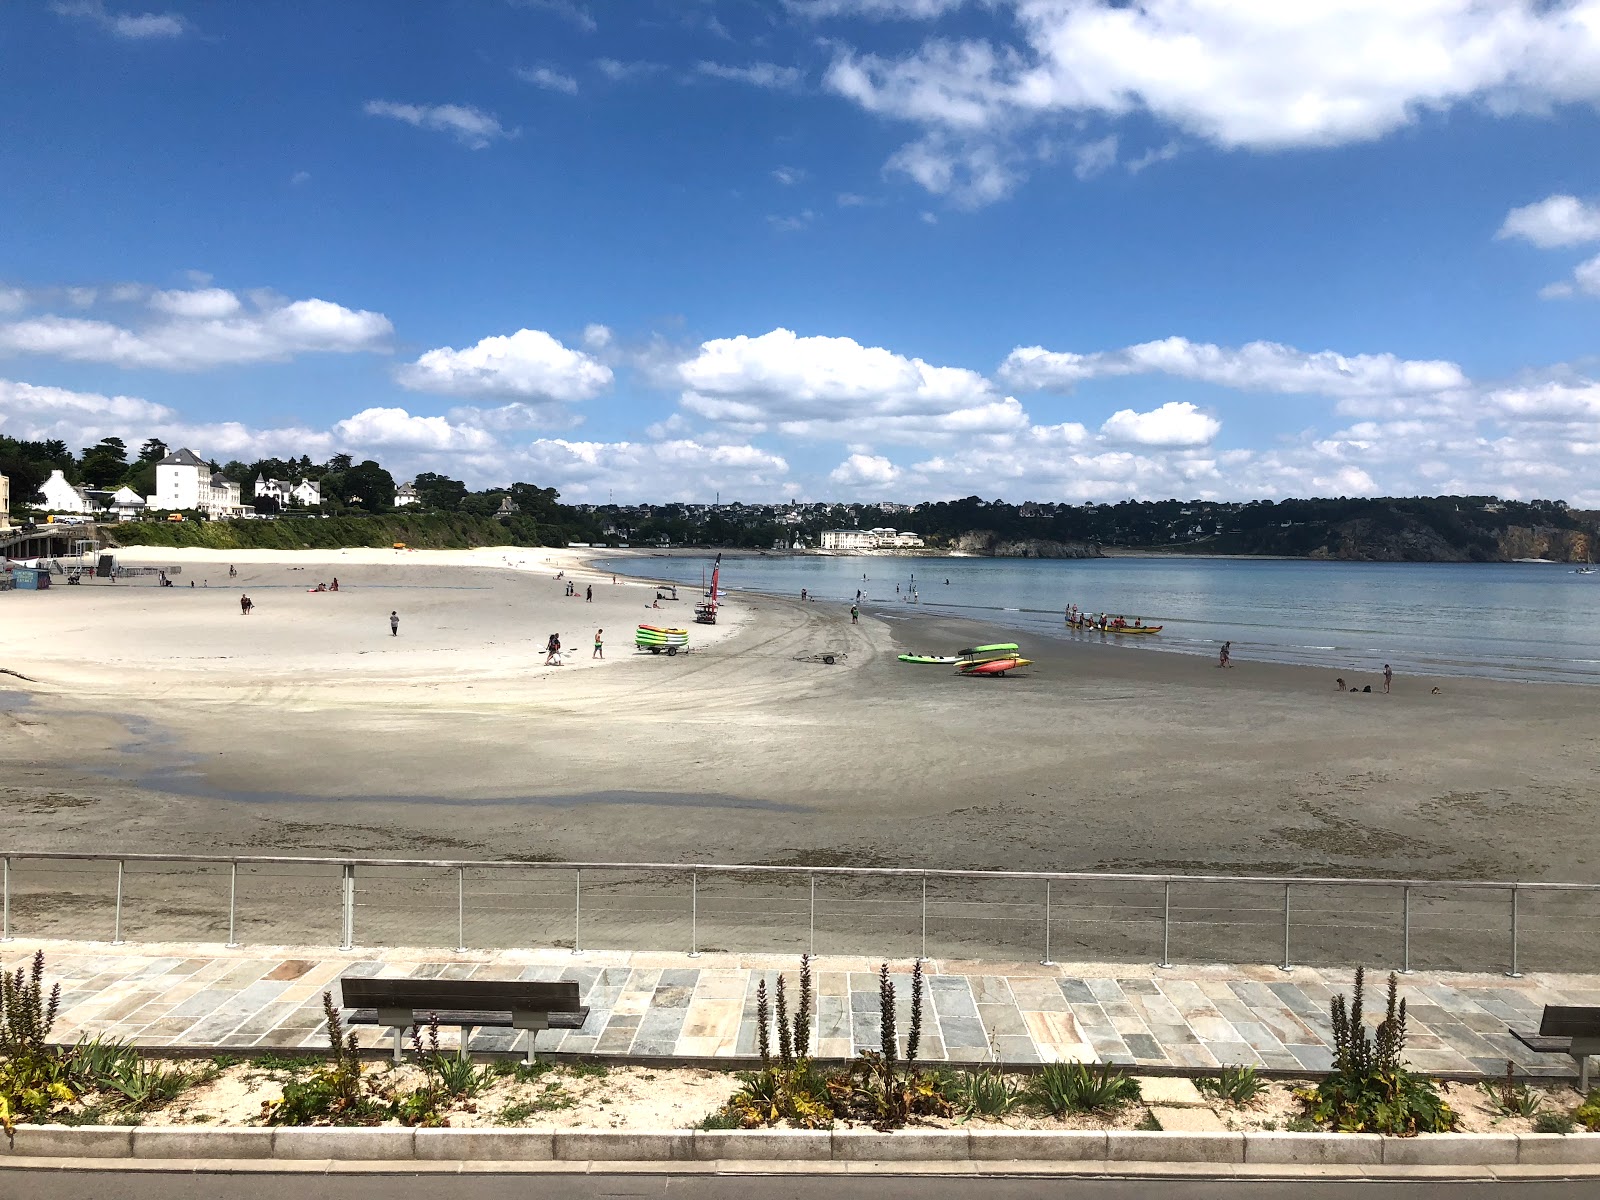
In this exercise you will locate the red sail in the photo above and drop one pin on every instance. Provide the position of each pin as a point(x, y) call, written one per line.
point(714, 572)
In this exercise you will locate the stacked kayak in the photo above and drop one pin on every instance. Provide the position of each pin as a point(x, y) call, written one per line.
point(996, 658)
point(994, 666)
point(655, 639)
point(945, 660)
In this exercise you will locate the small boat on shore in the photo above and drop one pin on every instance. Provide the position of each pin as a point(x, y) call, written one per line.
point(992, 648)
point(1092, 627)
point(994, 666)
point(932, 659)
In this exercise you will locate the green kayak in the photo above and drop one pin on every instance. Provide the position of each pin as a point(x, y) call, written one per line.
point(996, 648)
point(934, 659)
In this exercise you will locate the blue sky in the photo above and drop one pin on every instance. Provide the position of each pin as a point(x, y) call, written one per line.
point(895, 249)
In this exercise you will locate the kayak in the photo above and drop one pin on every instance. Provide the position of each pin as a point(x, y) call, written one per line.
point(655, 639)
point(1121, 629)
point(995, 666)
point(935, 659)
point(997, 647)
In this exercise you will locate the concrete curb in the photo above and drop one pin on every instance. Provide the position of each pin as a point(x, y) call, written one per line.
point(927, 1146)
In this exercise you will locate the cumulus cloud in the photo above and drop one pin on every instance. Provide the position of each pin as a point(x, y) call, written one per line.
point(1095, 158)
point(396, 428)
point(12, 300)
point(548, 78)
point(202, 328)
point(907, 10)
point(970, 174)
point(134, 27)
point(865, 471)
point(761, 74)
point(1256, 366)
point(1241, 76)
point(677, 469)
point(1558, 220)
point(472, 127)
point(834, 386)
point(1173, 424)
point(528, 364)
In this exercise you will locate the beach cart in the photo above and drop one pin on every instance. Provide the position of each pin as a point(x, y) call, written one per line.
point(656, 639)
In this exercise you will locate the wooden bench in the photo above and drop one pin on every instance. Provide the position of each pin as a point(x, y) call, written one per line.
point(400, 1004)
point(1567, 1029)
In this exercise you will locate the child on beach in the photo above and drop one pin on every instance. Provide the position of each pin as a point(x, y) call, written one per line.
point(599, 649)
point(1225, 655)
point(855, 614)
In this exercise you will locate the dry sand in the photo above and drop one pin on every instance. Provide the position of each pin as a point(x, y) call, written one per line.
point(160, 719)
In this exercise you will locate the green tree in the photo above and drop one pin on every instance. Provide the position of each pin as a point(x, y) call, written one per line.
point(439, 491)
point(153, 450)
point(105, 464)
point(369, 486)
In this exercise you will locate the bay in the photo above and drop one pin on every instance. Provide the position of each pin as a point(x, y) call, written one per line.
point(1524, 621)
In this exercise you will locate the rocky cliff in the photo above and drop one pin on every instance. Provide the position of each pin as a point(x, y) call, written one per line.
point(992, 545)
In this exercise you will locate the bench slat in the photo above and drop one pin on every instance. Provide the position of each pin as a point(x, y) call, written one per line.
point(1570, 1020)
point(492, 995)
point(479, 1018)
point(1541, 1044)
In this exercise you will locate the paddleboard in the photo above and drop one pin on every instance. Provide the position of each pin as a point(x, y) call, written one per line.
point(936, 659)
point(996, 648)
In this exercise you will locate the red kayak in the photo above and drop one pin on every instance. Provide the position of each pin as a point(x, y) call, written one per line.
point(995, 666)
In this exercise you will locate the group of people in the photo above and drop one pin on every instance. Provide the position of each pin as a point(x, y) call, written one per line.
point(1078, 619)
point(1388, 679)
point(552, 648)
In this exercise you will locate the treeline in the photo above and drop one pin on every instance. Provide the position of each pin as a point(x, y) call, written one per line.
point(423, 532)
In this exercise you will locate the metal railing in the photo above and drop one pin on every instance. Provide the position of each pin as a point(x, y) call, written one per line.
point(880, 911)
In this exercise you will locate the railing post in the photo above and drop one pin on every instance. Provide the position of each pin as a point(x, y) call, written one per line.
point(1286, 966)
point(694, 914)
point(1166, 923)
point(923, 956)
point(1047, 961)
point(812, 880)
point(348, 887)
point(577, 912)
point(233, 901)
point(1405, 931)
point(461, 910)
point(116, 936)
point(1514, 973)
point(5, 929)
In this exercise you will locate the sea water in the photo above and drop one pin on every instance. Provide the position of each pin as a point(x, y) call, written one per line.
point(1527, 621)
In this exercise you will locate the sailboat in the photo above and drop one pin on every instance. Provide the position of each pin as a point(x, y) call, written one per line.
point(705, 613)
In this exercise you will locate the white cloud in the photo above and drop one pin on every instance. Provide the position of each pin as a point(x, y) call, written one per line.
point(1150, 157)
point(200, 329)
point(1558, 220)
point(760, 74)
point(971, 174)
point(470, 126)
point(134, 27)
point(865, 471)
point(200, 303)
point(680, 469)
point(819, 387)
point(1173, 424)
point(548, 78)
point(617, 71)
point(1585, 279)
point(789, 176)
point(1256, 366)
point(1095, 158)
point(380, 428)
point(578, 14)
point(1255, 76)
point(794, 222)
point(12, 300)
point(528, 364)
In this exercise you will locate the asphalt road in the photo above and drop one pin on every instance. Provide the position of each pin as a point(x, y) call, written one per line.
point(152, 1185)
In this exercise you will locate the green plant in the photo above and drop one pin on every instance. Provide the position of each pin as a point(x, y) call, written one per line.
point(1063, 1088)
point(521, 1072)
point(720, 1119)
point(1510, 1098)
point(26, 1013)
point(1369, 1089)
point(1300, 1124)
point(1587, 1114)
point(1554, 1122)
point(1232, 1085)
point(984, 1093)
point(333, 1090)
point(516, 1113)
point(887, 1041)
point(799, 1095)
point(144, 1085)
point(802, 1012)
point(445, 1078)
point(763, 1020)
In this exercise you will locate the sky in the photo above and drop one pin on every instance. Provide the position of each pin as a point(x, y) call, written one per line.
point(653, 250)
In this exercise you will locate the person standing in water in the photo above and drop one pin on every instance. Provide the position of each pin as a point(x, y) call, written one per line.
point(394, 624)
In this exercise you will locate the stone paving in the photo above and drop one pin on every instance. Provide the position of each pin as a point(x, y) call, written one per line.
point(677, 1006)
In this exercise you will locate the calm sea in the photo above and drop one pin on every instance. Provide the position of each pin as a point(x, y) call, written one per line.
point(1528, 621)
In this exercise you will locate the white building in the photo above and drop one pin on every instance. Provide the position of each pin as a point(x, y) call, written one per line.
point(58, 496)
point(406, 494)
point(869, 539)
point(126, 504)
point(5, 503)
point(183, 480)
point(305, 494)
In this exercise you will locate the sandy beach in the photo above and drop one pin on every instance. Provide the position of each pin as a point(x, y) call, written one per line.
point(161, 719)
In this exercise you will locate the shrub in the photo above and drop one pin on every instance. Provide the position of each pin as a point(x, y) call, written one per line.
point(1510, 1098)
point(1232, 1085)
point(332, 1091)
point(1369, 1090)
point(1554, 1122)
point(26, 1013)
point(446, 1077)
point(984, 1093)
point(1063, 1088)
point(1588, 1113)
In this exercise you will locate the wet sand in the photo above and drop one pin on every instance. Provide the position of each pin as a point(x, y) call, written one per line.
point(158, 725)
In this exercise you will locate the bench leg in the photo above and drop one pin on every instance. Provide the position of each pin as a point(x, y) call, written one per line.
point(466, 1036)
point(1583, 1073)
point(532, 1024)
point(397, 1033)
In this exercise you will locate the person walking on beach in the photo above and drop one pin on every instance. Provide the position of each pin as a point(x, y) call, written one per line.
point(1388, 678)
point(245, 605)
point(1224, 657)
point(232, 572)
point(855, 614)
point(394, 624)
point(588, 594)
point(552, 651)
point(599, 648)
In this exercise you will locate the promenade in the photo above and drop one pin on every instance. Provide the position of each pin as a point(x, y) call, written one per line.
point(679, 1007)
